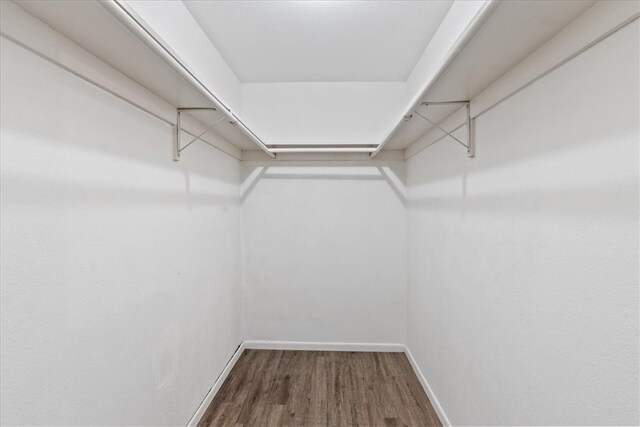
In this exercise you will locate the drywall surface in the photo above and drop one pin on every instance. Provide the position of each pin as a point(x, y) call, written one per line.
point(324, 112)
point(522, 273)
point(120, 268)
point(173, 22)
point(323, 252)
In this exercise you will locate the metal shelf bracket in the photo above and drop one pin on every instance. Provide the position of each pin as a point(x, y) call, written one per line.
point(470, 144)
point(177, 147)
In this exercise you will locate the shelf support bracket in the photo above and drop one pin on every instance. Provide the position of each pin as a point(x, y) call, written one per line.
point(470, 144)
point(177, 147)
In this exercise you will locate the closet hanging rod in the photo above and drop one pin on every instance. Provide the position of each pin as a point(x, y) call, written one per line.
point(319, 149)
point(134, 23)
point(425, 103)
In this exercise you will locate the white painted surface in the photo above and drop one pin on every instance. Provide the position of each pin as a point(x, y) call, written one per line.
point(173, 22)
point(120, 268)
point(433, 399)
point(323, 252)
point(522, 302)
point(253, 155)
point(321, 113)
point(324, 346)
point(204, 405)
point(316, 41)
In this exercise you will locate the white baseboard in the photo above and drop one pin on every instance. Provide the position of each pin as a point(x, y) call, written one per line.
point(324, 346)
point(427, 389)
point(193, 422)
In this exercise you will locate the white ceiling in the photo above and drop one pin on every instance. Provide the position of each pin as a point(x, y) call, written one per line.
point(320, 41)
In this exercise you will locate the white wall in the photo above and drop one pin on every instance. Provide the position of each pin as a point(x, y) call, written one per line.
point(325, 112)
point(120, 268)
point(522, 293)
point(323, 252)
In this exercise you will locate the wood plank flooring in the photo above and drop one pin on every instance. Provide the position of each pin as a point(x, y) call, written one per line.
point(320, 388)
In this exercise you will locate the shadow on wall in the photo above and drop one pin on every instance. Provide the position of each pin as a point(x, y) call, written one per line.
point(35, 191)
point(63, 135)
point(547, 149)
point(391, 173)
point(92, 179)
point(543, 172)
point(551, 125)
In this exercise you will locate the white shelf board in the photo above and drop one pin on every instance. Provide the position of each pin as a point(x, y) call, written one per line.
point(512, 32)
point(91, 26)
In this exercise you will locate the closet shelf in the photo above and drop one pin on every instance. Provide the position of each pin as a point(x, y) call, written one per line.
point(136, 25)
point(113, 33)
point(106, 44)
point(453, 53)
point(542, 35)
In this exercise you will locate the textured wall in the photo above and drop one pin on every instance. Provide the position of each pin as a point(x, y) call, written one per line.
point(323, 252)
point(522, 300)
point(120, 268)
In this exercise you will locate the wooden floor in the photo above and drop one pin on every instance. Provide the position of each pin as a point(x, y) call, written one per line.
point(319, 388)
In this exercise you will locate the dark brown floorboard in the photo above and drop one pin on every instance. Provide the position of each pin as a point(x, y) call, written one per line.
point(320, 388)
